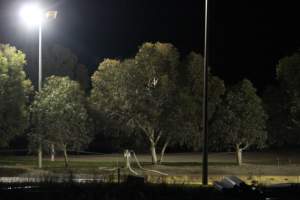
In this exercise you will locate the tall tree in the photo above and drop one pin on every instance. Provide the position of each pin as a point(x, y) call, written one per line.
point(288, 72)
point(60, 115)
point(138, 91)
point(106, 98)
point(241, 119)
point(191, 95)
point(82, 76)
point(276, 104)
point(58, 61)
point(15, 89)
point(184, 125)
point(173, 127)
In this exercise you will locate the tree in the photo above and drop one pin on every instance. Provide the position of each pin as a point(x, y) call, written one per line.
point(103, 101)
point(60, 116)
point(138, 91)
point(276, 104)
point(58, 61)
point(15, 89)
point(173, 127)
point(191, 97)
point(241, 119)
point(82, 76)
point(288, 73)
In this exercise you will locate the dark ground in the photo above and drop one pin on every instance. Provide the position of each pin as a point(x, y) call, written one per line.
point(66, 191)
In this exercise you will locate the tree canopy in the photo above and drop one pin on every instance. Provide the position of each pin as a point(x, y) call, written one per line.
point(59, 114)
point(15, 89)
point(241, 119)
point(275, 101)
point(155, 94)
point(139, 91)
point(191, 95)
point(59, 61)
point(288, 72)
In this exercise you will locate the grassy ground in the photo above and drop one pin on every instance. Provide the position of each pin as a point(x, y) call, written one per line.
point(258, 164)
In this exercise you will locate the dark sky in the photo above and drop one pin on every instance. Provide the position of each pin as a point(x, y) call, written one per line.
point(247, 37)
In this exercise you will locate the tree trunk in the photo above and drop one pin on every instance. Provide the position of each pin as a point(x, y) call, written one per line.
point(66, 157)
point(52, 153)
point(127, 158)
point(40, 156)
point(239, 156)
point(162, 153)
point(153, 153)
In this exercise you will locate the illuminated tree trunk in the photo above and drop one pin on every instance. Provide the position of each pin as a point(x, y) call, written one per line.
point(239, 155)
point(162, 153)
point(153, 136)
point(127, 156)
point(127, 159)
point(52, 153)
point(66, 156)
point(153, 153)
point(40, 155)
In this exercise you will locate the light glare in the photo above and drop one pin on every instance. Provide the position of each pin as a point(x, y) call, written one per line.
point(32, 14)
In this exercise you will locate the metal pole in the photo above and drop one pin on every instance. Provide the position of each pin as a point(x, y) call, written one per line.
point(205, 101)
point(40, 57)
point(40, 152)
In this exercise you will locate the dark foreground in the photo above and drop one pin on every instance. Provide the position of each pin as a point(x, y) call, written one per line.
point(96, 191)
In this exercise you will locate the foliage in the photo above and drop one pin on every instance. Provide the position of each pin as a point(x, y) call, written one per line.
point(82, 76)
point(288, 72)
point(103, 99)
point(15, 89)
point(191, 95)
point(138, 92)
point(275, 102)
point(57, 60)
point(59, 114)
point(241, 119)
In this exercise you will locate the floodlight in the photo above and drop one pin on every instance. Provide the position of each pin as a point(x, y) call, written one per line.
point(32, 14)
point(52, 14)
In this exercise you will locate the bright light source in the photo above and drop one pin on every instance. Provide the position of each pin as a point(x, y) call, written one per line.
point(32, 14)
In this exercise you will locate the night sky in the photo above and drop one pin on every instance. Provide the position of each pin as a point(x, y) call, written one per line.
point(247, 37)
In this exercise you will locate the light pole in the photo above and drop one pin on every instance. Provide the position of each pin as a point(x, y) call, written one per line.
point(33, 15)
point(40, 150)
point(205, 102)
point(40, 57)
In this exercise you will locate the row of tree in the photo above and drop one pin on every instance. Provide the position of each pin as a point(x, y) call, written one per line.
point(160, 96)
point(154, 97)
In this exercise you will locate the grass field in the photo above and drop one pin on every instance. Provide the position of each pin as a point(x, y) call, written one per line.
point(258, 164)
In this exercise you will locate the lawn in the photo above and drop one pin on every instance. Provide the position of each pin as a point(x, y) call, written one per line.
point(256, 164)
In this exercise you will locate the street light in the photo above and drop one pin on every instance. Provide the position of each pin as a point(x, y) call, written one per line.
point(34, 15)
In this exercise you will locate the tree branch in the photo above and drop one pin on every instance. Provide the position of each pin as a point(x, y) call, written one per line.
point(158, 137)
point(245, 147)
